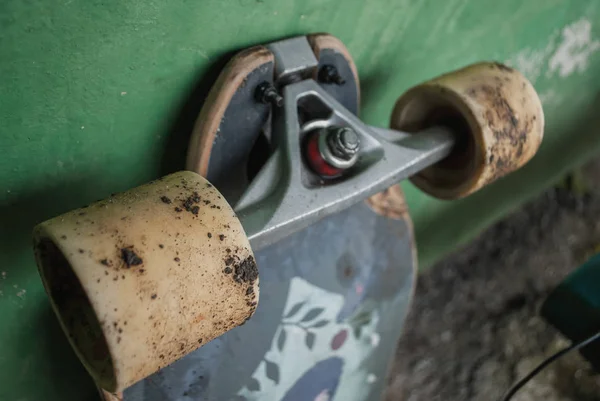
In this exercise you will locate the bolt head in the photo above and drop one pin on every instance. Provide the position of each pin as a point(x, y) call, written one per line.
point(266, 93)
point(329, 74)
point(349, 139)
point(343, 142)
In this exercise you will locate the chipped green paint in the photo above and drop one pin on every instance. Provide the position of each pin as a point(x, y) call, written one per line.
point(99, 96)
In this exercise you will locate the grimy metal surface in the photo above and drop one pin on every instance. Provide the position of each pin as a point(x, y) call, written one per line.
point(279, 202)
point(98, 97)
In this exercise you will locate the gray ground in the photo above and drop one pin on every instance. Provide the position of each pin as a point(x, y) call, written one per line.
point(474, 327)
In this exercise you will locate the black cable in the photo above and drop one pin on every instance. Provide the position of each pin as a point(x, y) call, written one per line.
point(517, 386)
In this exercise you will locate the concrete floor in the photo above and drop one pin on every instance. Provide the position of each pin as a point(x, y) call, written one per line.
point(474, 327)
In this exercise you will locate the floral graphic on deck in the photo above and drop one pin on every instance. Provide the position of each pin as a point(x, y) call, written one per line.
point(313, 355)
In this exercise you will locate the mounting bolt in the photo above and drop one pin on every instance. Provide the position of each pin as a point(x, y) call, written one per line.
point(328, 74)
point(266, 93)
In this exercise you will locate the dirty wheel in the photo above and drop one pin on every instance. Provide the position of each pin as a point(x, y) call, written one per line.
point(146, 276)
point(496, 114)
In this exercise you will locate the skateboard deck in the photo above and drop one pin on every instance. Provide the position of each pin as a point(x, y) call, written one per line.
point(333, 301)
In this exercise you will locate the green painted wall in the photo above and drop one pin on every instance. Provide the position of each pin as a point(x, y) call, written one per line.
point(99, 96)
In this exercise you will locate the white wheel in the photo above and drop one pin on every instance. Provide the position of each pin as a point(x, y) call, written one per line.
point(497, 115)
point(144, 277)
